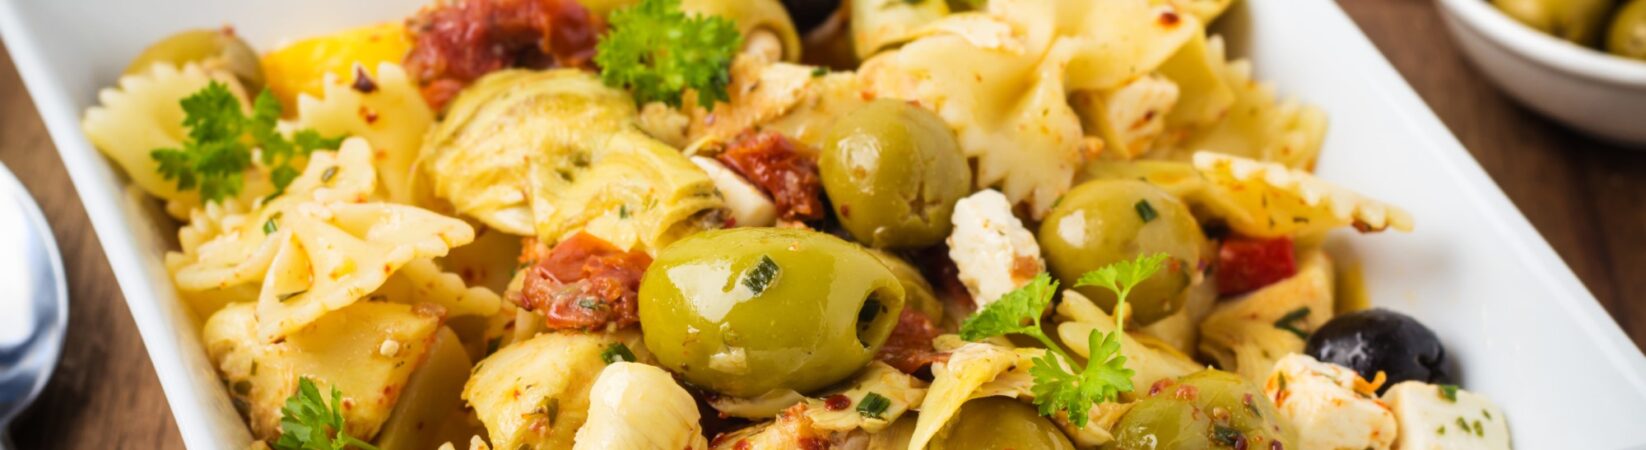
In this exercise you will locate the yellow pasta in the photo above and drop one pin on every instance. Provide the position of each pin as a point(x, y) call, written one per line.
point(386, 109)
point(1266, 199)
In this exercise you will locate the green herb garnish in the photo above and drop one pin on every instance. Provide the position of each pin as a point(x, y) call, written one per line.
point(1288, 322)
point(1105, 375)
point(218, 149)
point(658, 52)
point(1449, 392)
point(873, 405)
point(308, 423)
point(1145, 211)
point(617, 352)
point(758, 279)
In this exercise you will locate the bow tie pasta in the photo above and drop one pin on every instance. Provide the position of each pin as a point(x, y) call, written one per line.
point(1264, 199)
point(388, 111)
point(550, 153)
point(144, 113)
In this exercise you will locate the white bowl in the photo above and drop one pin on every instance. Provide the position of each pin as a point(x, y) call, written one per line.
point(1584, 88)
point(1515, 320)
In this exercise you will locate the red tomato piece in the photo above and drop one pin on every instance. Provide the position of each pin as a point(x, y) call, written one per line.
point(1245, 265)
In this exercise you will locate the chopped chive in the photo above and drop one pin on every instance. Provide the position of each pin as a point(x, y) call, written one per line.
point(761, 276)
point(1449, 392)
point(1288, 322)
point(617, 352)
point(272, 225)
point(326, 176)
point(873, 405)
point(1145, 211)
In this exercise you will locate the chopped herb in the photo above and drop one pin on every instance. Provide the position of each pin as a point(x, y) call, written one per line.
point(873, 405)
point(659, 52)
point(617, 352)
point(623, 211)
point(589, 303)
point(326, 176)
point(1479, 430)
point(1483, 412)
point(1282, 380)
point(1145, 211)
point(1227, 437)
point(1462, 423)
point(550, 408)
point(1441, 431)
point(1289, 321)
point(759, 278)
point(272, 225)
point(308, 423)
point(819, 71)
point(1449, 392)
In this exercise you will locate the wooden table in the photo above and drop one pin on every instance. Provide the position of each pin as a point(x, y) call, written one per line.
point(1587, 198)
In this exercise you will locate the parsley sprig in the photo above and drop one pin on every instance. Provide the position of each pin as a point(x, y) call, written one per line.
point(658, 52)
point(218, 150)
point(1057, 388)
point(308, 423)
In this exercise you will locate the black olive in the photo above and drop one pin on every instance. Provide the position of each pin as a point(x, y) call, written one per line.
point(808, 14)
point(1381, 340)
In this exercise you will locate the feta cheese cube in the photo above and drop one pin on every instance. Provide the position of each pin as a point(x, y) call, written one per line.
point(1332, 408)
point(1434, 417)
point(992, 250)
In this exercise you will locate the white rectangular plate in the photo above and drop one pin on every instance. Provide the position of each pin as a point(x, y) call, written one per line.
point(1517, 322)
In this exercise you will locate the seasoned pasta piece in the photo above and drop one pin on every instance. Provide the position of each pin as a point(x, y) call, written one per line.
point(548, 154)
point(227, 246)
point(1247, 335)
point(367, 351)
point(878, 24)
point(433, 395)
point(1204, 96)
point(534, 394)
point(1266, 199)
point(422, 281)
point(386, 109)
point(1008, 103)
point(1258, 125)
point(668, 419)
point(143, 114)
point(1150, 359)
point(1129, 118)
point(842, 411)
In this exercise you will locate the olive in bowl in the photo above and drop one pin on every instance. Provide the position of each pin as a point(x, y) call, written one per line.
point(1103, 222)
point(893, 172)
point(1380, 340)
point(747, 311)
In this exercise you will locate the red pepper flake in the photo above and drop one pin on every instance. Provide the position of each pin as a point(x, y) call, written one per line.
point(1160, 386)
point(584, 283)
point(457, 42)
point(837, 402)
point(362, 80)
point(1169, 19)
point(778, 166)
point(368, 115)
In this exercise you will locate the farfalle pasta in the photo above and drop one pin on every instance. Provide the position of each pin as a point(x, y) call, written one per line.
point(752, 224)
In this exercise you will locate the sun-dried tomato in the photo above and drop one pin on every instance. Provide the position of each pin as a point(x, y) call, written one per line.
point(777, 165)
point(909, 347)
point(584, 283)
point(455, 43)
point(1245, 265)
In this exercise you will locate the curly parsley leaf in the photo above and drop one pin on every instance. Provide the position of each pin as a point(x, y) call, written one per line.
point(658, 52)
point(1017, 312)
point(218, 150)
point(1121, 277)
point(1104, 378)
point(308, 423)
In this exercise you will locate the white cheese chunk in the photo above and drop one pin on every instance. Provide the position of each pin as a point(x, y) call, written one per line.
point(1330, 405)
point(992, 250)
point(1430, 419)
point(749, 206)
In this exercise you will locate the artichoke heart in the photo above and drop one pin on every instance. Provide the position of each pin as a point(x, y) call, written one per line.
point(550, 153)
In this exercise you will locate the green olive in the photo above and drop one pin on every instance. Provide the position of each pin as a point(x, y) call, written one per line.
point(212, 48)
point(893, 172)
point(916, 289)
point(1580, 21)
point(1206, 409)
point(1627, 37)
point(1000, 423)
point(1105, 221)
point(747, 311)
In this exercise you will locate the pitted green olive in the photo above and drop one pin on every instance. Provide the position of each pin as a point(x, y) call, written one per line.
point(893, 172)
point(746, 311)
point(1000, 423)
point(1627, 37)
point(1580, 21)
point(216, 48)
point(916, 290)
point(1106, 221)
point(1206, 409)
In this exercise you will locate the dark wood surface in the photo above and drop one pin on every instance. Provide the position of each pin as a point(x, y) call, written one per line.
point(1586, 197)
